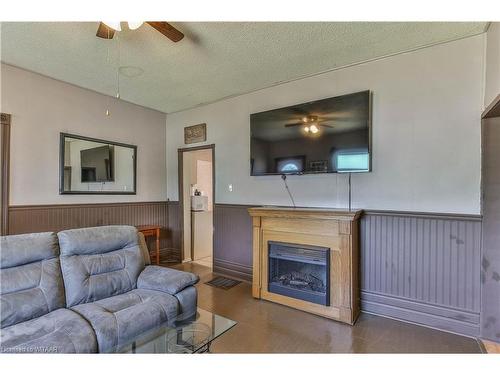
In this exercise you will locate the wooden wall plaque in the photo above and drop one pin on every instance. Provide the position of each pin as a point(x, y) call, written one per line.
point(195, 134)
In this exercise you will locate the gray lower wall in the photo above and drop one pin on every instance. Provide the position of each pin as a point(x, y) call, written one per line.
point(422, 268)
point(41, 218)
point(233, 241)
point(490, 263)
point(174, 231)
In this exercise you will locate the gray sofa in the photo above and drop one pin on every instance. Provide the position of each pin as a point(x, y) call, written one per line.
point(85, 291)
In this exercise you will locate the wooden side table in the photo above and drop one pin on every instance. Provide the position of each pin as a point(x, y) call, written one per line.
point(152, 231)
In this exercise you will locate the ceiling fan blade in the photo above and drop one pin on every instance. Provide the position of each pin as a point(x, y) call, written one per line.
point(168, 30)
point(105, 32)
point(294, 124)
point(326, 126)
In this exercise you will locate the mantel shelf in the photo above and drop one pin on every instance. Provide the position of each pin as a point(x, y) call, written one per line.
point(305, 213)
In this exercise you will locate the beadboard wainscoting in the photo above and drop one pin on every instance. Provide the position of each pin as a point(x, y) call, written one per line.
point(490, 261)
point(233, 241)
point(418, 267)
point(423, 268)
point(42, 218)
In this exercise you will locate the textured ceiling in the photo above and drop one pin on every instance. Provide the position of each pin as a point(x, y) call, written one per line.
point(214, 60)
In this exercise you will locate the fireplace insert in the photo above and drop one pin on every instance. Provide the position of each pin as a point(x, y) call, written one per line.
point(299, 271)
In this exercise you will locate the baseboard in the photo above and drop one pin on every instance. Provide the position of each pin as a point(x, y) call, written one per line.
point(489, 347)
point(437, 317)
point(239, 271)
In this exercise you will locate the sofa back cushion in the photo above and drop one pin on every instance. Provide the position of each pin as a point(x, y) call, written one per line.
point(99, 262)
point(31, 283)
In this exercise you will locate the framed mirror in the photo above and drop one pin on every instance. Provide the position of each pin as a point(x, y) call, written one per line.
point(95, 166)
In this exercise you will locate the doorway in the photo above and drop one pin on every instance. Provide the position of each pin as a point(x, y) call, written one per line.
point(4, 172)
point(196, 196)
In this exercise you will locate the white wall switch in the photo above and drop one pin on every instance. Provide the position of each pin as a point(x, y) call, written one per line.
point(230, 187)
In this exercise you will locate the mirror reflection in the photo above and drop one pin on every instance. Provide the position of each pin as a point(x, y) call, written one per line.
point(93, 166)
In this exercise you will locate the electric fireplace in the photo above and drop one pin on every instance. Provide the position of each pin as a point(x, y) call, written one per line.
point(308, 259)
point(299, 271)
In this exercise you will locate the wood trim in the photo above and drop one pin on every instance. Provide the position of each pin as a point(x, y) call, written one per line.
point(180, 174)
point(196, 148)
point(416, 214)
point(424, 215)
point(414, 317)
point(83, 205)
point(461, 315)
point(5, 119)
point(235, 205)
point(490, 347)
point(492, 110)
point(256, 257)
point(239, 271)
point(305, 213)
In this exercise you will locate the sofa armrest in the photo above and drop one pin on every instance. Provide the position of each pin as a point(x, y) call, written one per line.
point(165, 280)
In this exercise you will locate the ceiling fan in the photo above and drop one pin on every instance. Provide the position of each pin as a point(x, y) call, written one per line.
point(106, 30)
point(310, 123)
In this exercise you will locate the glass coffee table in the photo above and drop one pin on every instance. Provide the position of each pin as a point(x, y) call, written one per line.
point(192, 336)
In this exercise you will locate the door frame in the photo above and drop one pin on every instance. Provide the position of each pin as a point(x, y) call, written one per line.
point(5, 171)
point(180, 174)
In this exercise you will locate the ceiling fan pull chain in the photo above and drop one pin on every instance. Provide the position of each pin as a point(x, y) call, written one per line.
point(118, 68)
point(107, 63)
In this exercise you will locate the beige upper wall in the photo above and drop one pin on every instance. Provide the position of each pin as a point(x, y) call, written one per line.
point(42, 107)
point(492, 79)
point(426, 134)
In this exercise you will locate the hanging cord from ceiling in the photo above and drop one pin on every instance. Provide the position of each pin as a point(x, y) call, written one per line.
point(117, 68)
point(118, 41)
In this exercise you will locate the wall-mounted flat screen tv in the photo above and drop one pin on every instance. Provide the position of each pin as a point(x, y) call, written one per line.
point(325, 136)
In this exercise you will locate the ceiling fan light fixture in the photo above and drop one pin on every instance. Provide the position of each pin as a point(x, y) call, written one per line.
point(133, 25)
point(314, 129)
point(115, 25)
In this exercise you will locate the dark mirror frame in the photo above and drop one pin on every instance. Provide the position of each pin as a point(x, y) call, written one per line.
point(62, 139)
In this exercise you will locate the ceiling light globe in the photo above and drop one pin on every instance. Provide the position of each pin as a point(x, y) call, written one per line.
point(132, 25)
point(306, 129)
point(314, 128)
point(115, 25)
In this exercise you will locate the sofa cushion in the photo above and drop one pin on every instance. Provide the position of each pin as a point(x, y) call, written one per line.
point(27, 248)
point(117, 320)
point(99, 262)
point(188, 299)
point(166, 280)
point(31, 283)
point(60, 331)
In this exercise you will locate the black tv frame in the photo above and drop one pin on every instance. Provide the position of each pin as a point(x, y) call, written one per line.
point(370, 106)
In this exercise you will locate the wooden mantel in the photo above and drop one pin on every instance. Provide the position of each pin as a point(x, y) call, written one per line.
point(335, 229)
